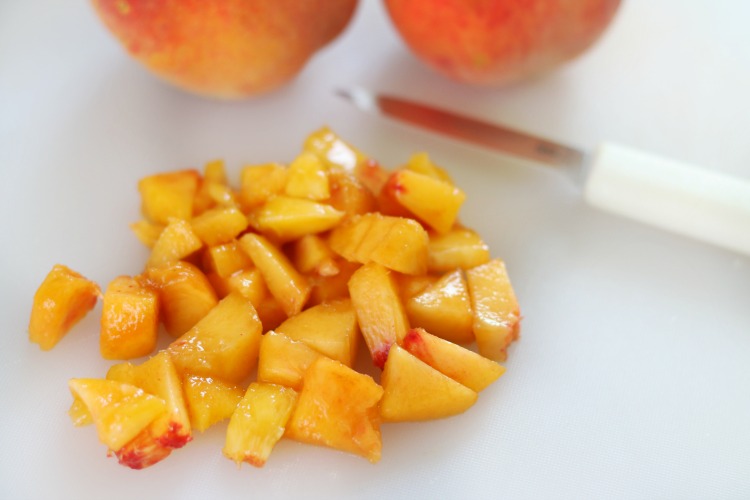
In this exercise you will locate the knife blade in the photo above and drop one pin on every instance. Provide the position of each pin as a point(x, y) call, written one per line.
point(685, 199)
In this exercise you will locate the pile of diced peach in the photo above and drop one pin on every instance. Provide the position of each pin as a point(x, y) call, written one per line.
point(267, 290)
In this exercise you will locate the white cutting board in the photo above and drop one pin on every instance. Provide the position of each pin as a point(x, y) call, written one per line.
point(631, 379)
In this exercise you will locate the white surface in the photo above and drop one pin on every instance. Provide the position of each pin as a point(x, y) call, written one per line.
point(631, 379)
point(693, 201)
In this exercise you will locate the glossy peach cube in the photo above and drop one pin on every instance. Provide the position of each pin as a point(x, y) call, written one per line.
point(258, 183)
point(209, 400)
point(219, 225)
point(307, 178)
point(176, 242)
point(444, 308)
point(130, 319)
point(61, 301)
point(458, 248)
point(169, 195)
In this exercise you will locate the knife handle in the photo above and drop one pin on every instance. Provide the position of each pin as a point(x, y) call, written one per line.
point(685, 199)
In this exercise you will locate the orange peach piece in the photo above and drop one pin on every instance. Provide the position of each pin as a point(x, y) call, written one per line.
point(210, 400)
point(224, 344)
point(176, 242)
point(185, 295)
point(119, 411)
point(214, 175)
point(283, 360)
point(258, 183)
point(130, 319)
point(496, 312)
point(61, 301)
point(337, 408)
point(333, 151)
point(286, 284)
point(328, 288)
point(168, 195)
point(258, 423)
point(311, 254)
point(433, 201)
point(413, 390)
point(219, 225)
point(380, 314)
point(146, 231)
point(308, 178)
point(226, 259)
point(422, 164)
point(158, 376)
point(462, 365)
point(286, 218)
point(444, 309)
point(348, 194)
point(329, 328)
point(458, 248)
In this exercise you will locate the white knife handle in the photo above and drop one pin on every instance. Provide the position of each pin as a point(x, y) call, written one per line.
point(682, 198)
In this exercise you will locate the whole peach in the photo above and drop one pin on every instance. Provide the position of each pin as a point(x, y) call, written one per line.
point(225, 48)
point(493, 42)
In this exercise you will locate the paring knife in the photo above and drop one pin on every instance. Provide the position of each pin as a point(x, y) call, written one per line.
point(685, 199)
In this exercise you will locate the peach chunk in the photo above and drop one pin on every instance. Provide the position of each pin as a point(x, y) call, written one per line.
point(458, 248)
point(210, 400)
point(434, 201)
point(176, 242)
point(286, 284)
point(444, 308)
point(130, 319)
point(283, 360)
point(224, 344)
point(61, 301)
point(219, 225)
point(307, 178)
point(329, 328)
point(496, 313)
point(337, 407)
point(413, 390)
point(462, 365)
point(288, 218)
point(258, 423)
point(169, 195)
point(185, 295)
point(258, 183)
point(380, 314)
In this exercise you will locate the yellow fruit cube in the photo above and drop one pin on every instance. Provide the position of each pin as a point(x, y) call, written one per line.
point(185, 295)
point(210, 400)
point(462, 365)
point(226, 259)
point(287, 218)
point(329, 288)
point(422, 164)
point(311, 254)
point(337, 407)
point(283, 360)
point(219, 225)
point(413, 390)
point(158, 376)
point(380, 314)
point(434, 201)
point(496, 313)
point(307, 178)
point(176, 242)
point(444, 309)
point(169, 195)
point(258, 423)
point(147, 232)
point(329, 328)
point(224, 344)
point(285, 283)
point(61, 301)
point(130, 319)
point(348, 194)
point(458, 248)
point(332, 150)
point(258, 183)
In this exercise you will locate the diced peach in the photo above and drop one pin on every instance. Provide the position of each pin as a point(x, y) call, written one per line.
point(176, 242)
point(168, 195)
point(348, 194)
point(61, 301)
point(337, 407)
point(496, 313)
point(185, 295)
point(459, 248)
point(433, 201)
point(119, 411)
point(413, 390)
point(287, 218)
point(250, 284)
point(146, 231)
point(158, 376)
point(214, 174)
point(311, 254)
point(380, 314)
point(462, 365)
point(226, 259)
point(412, 285)
point(329, 288)
point(332, 150)
point(219, 225)
point(286, 284)
point(144, 450)
point(210, 400)
point(258, 183)
point(130, 319)
point(307, 178)
point(224, 344)
point(79, 413)
point(329, 328)
point(422, 164)
point(258, 423)
point(283, 360)
point(372, 175)
point(444, 309)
